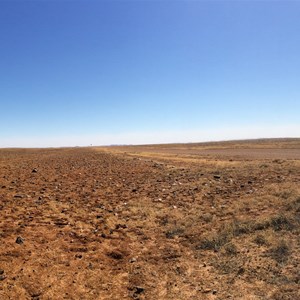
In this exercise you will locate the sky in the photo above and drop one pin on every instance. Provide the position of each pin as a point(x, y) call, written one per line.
point(76, 73)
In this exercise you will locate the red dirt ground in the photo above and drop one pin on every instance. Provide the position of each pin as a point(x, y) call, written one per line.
point(125, 223)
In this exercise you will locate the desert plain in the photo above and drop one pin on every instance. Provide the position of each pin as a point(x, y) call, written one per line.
point(180, 221)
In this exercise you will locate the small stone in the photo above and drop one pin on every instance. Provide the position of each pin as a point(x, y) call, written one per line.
point(19, 240)
point(115, 255)
point(34, 170)
point(132, 260)
point(18, 196)
point(217, 177)
point(214, 292)
point(1, 272)
point(2, 277)
point(139, 290)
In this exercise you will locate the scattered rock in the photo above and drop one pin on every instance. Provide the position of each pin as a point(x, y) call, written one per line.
point(19, 240)
point(2, 277)
point(34, 170)
point(61, 223)
point(115, 255)
point(1, 272)
point(138, 290)
point(217, 176)
point(158, 165)
point(118, 226)
point(18, 196)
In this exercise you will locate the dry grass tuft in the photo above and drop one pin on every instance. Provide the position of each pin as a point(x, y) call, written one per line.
point(280, 252)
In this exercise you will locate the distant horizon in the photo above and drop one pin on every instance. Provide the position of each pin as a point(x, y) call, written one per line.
point(143, 72)
point(154, 138)
point(267, 139)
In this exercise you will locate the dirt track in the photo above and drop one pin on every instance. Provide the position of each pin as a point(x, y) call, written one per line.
point(240, 154)
point(254, 150)
point(101, 225)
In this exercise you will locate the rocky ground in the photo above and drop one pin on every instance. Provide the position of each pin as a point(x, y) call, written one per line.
point(114, 223)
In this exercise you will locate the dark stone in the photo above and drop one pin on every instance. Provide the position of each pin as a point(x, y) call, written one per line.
point(19, 240)
point(34, 170)
point(2, 277)
point(1, 272)
point(123, 226)
point(115, 255)
point(139, 290)
point(217, 176)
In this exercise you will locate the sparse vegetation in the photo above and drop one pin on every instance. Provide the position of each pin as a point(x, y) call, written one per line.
point(261, 240)
point(281, 222)
point(231, 249)
point(170, 234)
point(280, 252)
point(214, 242)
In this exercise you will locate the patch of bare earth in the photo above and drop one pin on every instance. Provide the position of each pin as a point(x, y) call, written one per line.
point(128, 223)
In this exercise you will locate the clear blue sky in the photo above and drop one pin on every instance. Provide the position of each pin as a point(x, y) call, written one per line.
point(109, 72)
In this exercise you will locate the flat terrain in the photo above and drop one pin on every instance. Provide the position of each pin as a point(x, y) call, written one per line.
point(184, 221)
